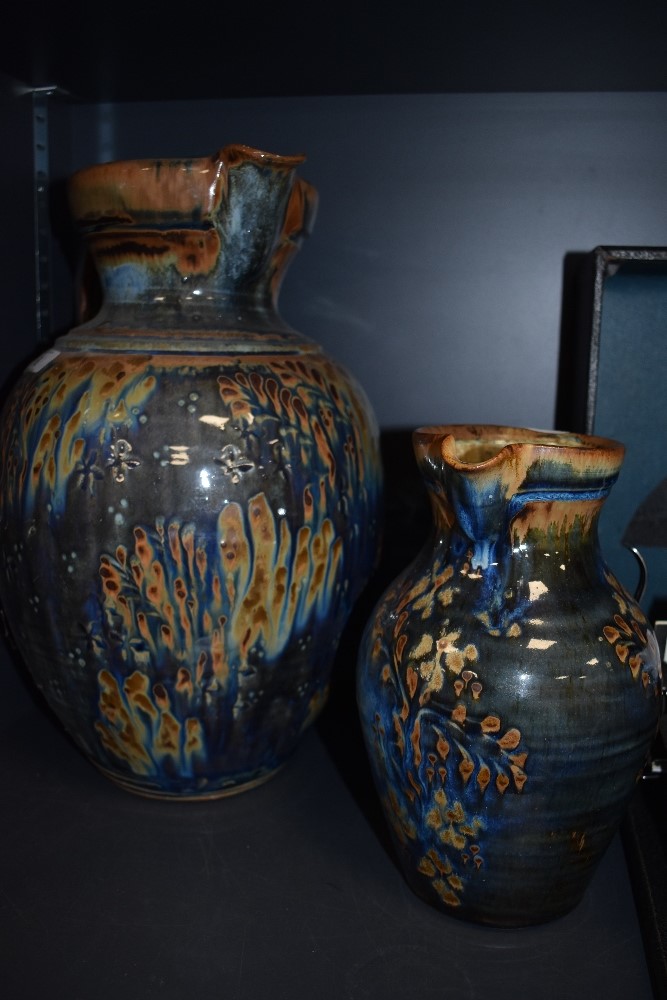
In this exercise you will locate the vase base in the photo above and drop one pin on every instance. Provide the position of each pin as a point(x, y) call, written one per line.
point(204, 796)
point(514, 916)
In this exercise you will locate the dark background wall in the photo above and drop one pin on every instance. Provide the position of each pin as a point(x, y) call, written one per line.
point(435, 270)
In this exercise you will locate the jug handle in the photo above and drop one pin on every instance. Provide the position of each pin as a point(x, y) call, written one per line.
point(656, 767)
point(640, 589)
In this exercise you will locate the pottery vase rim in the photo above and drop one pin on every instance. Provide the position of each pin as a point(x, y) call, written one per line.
point(503, 443)
point(118, 193)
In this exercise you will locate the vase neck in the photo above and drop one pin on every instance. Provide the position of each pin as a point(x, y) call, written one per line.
point(190, 245)
point(152, 278)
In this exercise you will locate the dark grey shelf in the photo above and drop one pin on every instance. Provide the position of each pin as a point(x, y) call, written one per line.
point(140, 52)
point(287, 891)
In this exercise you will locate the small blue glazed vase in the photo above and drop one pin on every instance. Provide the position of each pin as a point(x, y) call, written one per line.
point(509, 688)
point(189, 489)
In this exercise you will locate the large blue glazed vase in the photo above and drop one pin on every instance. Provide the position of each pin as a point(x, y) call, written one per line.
point(509, 688)
point(189, 489)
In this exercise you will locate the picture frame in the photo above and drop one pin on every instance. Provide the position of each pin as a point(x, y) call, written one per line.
point(626, 399)
point(616, 357)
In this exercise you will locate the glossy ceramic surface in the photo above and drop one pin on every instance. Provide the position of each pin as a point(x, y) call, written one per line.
point(509, 688)
point(189, 489)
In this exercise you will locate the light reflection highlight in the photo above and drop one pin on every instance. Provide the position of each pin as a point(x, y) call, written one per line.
point(535, 589)
point(179, 454)
point(214, 420)
point(541, 643)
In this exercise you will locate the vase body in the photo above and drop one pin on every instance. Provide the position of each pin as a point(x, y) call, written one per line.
point(509, 688)
point(189, 489)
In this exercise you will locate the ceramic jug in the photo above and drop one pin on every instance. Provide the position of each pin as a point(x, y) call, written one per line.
point(509, 688)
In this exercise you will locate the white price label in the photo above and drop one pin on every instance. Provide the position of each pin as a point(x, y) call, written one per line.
point(43, 360)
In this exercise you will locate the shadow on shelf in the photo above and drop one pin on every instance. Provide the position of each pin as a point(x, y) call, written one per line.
point(406, 522)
